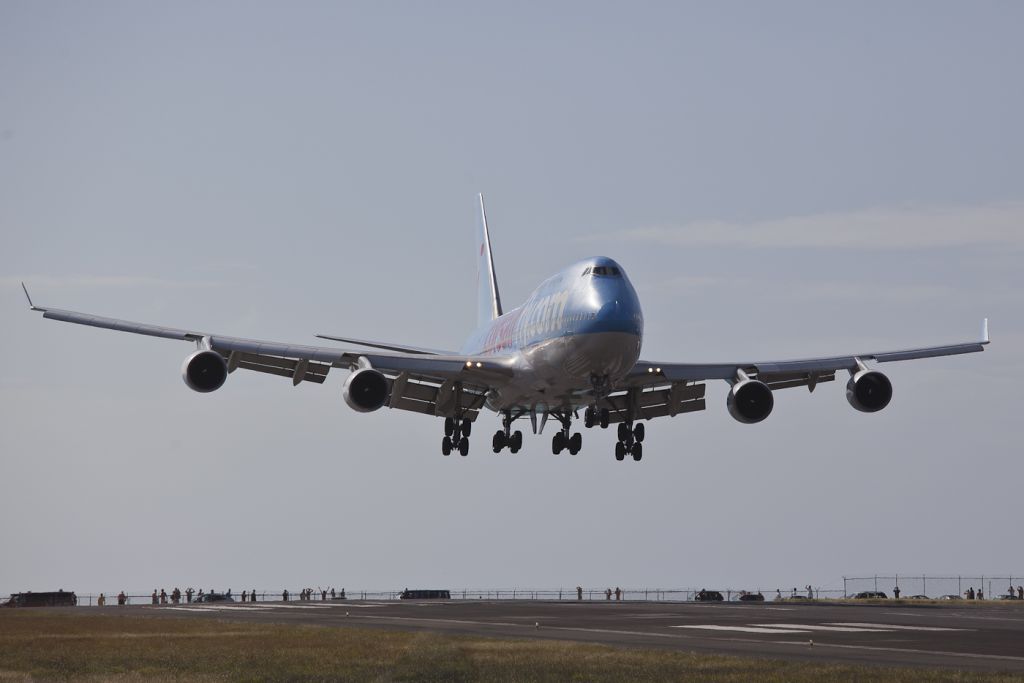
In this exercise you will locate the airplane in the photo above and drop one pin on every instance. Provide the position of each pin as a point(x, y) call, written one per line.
point(574, 344)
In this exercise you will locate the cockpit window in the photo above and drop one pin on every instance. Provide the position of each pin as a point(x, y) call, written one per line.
point(604, 270)
point(586, 272)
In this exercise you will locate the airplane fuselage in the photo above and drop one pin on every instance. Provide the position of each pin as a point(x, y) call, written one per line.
point(578, 329)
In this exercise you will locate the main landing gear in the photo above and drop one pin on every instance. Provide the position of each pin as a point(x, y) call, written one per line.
point(630, 441)
point(593, 416)
point(456, 436)
point(504, 437)
point(563, 440)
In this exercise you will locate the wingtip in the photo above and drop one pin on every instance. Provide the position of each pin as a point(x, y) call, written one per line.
point(984, 331)
point(31, 305)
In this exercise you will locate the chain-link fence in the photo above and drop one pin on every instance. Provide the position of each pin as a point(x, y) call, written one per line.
point(981, 587)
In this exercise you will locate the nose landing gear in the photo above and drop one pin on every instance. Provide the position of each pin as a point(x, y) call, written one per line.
point(630, 441)
point(593, 416)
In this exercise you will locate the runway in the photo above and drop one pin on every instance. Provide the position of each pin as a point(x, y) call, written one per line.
point(979, 637)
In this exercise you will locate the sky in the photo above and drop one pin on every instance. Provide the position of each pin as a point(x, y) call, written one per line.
point(778, 180)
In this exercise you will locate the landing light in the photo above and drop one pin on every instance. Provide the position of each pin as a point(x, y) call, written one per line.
point(479, 364)
point(469, 363)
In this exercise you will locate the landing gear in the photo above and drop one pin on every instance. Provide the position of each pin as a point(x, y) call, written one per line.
point(592, 416)
point(456, 436)
point(564, 439)
point(505, 437)
point(630, 441)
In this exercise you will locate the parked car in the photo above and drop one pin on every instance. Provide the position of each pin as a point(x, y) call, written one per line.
point(871, 595)
point(951, 597)
point(918, 597)
point(708, 596)
point(59, 598)
point(214, 597)
point(752, 597)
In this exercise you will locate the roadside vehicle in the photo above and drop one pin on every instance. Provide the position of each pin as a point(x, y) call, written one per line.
point(871, 595)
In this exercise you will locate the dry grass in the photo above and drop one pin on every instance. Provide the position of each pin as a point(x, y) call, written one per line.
point(39, 646)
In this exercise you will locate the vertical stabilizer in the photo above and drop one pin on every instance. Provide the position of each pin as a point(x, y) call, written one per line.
point(488, 300)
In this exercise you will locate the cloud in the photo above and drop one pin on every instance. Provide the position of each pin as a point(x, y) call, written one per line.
point(907, 227)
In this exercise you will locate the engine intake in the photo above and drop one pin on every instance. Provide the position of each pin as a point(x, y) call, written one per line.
point(750, 401)
point(204, 371)
point(869, 391)
point(366, 390)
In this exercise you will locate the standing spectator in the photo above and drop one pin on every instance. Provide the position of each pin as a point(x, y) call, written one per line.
point(163, 597)
point(121, 599)
point(579, 592)
point(156, 600)
point(618, 594)
point(1020, 592)
point(176, 595)
point(810, 592)
point(200, 594)
point(970, 593)
point(607, 593)
point(323, 595)
point(284, 595)
point(252, 595)
point(343, 593)
point(188, 594)
point(332, 593)
point(981, 594)
point(244, 595)
point(896, 593)
point(101, 601)
point(778, 594)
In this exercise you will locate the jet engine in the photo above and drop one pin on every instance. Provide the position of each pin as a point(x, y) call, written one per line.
point(750, 401)
point(204, 371)
point(366, 390)
point(869, 391)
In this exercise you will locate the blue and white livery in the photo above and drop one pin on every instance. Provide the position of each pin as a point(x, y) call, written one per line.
point(573, 346)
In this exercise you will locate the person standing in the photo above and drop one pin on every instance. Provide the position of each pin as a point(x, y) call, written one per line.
point(579, 592)
point(896, 593)
point(101, 601)
point(245, 595)
point(981, 593)
point(156, 600)
point(252, 595)
point(121, 599)
point(284, 595)
point(1020, 592)
point(163, 597)
point(618, 594)
point(188, 594)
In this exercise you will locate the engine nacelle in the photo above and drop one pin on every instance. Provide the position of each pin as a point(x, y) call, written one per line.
point(204, 371)
point(366, 390)
point(869, 391)
point(750, 401)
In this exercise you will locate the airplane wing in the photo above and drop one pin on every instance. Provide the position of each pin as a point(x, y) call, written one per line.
point(430, 384)
point(655, 389)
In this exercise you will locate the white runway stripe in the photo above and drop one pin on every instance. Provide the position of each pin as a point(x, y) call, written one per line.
point(822, 627)
point(894, 627)
point(742, 629)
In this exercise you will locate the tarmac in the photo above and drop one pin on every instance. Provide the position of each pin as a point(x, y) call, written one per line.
point(975, 636)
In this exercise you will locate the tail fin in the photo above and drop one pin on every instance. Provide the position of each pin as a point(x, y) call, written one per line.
point(488, 299)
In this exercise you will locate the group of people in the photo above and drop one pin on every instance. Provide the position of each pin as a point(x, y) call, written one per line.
point(308, 594)
point(608, 593)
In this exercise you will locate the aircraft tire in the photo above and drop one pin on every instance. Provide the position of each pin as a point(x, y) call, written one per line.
point(446, 445)
point(605, 418)
point(449, 426)
point(637, 451)
point(639, 432)
point(463, 446)
point(467, 427)
point(620, 451)
point(623, 431)
point(575, 443)
point(498, 442)
point(516, 441)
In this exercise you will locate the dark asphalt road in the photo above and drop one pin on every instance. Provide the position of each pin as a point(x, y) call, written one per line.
point(989, 637)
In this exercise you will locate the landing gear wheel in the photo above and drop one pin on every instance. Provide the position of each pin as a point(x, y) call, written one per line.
point(624, 432)
point(575, 443)
point(605, 418)
point(463, 446)
point(446, 445)
point(499, 441)
point(449, 426)
point(639, 432)
point(467, 427)
point(588, 418)
point(637, 451)
point(558, 443)
point(620, 451)
point(516, 442)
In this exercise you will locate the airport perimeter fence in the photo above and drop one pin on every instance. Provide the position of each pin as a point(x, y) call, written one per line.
point(935, 587)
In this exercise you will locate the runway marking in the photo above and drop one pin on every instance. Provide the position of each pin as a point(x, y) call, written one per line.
point(742, 629)
point(896, 627)
point(822, 627)
point(782, 609)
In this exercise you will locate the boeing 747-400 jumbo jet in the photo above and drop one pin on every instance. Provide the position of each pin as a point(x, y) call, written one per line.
point(575, 344)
